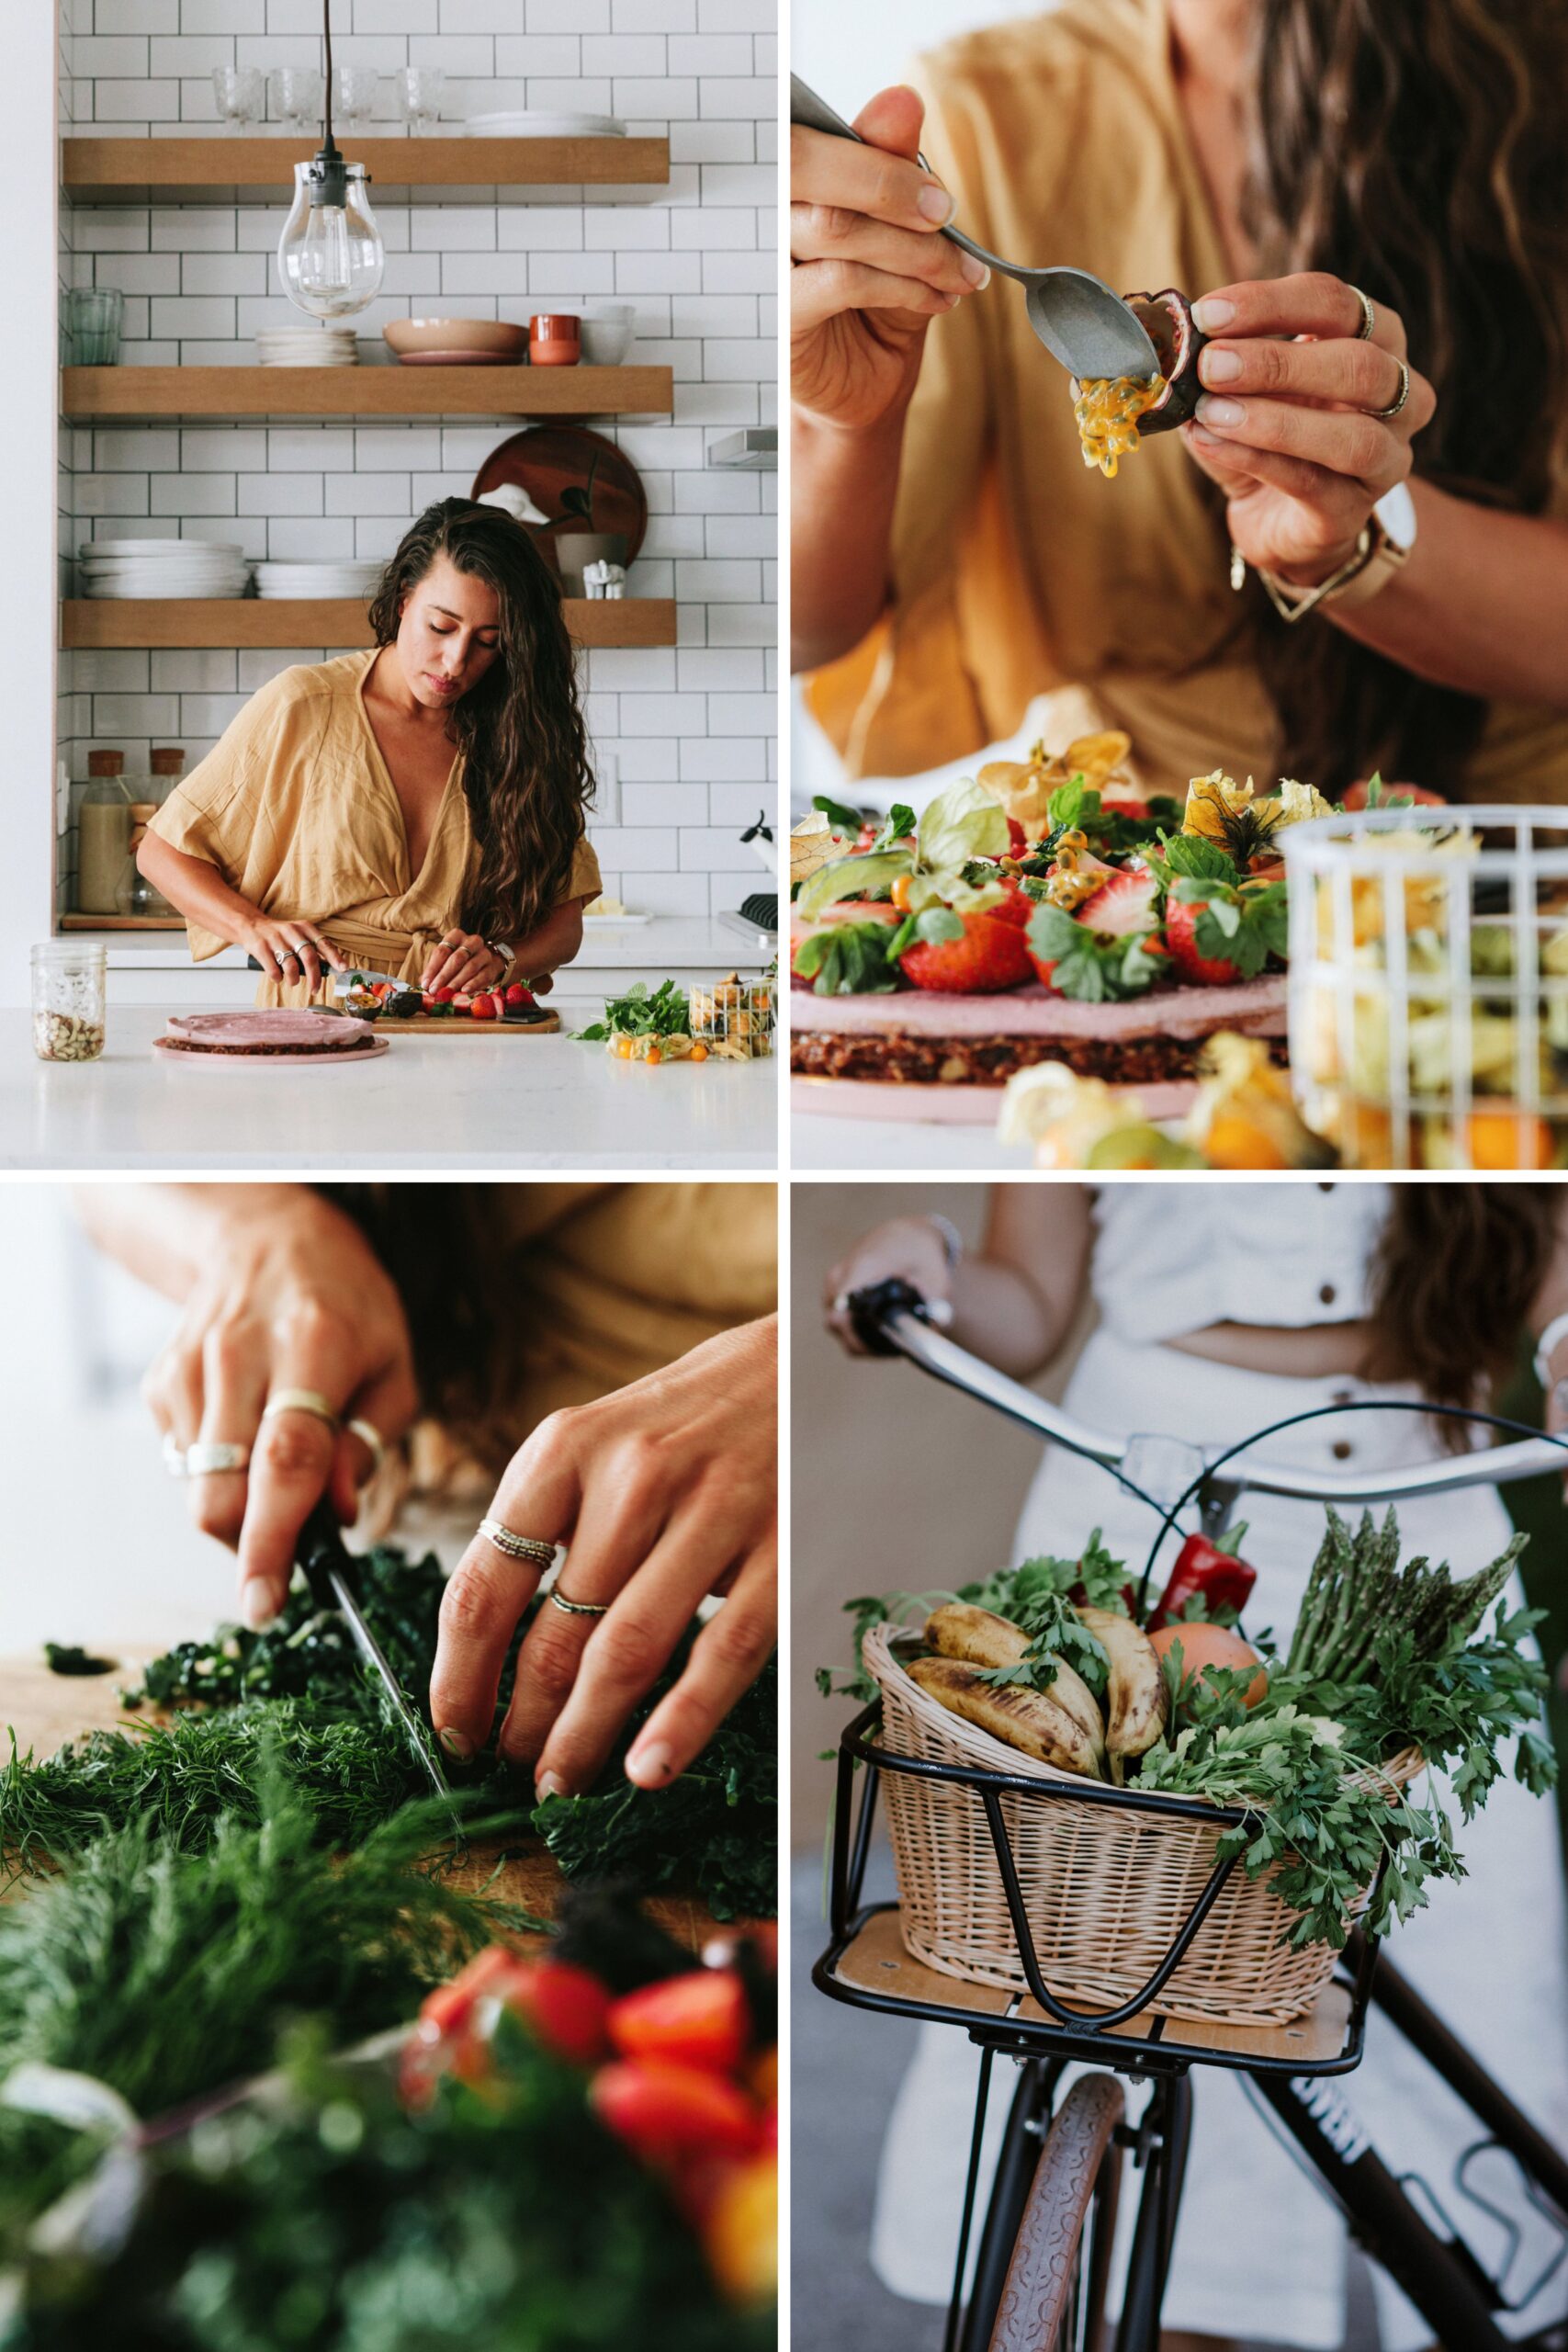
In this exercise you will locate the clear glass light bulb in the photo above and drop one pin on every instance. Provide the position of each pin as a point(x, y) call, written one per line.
point(331, 256)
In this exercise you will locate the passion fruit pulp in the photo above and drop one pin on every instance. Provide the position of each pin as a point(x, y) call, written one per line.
point(1166, 318)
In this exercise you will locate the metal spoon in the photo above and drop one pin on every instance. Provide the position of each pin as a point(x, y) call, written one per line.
point(1077, 317)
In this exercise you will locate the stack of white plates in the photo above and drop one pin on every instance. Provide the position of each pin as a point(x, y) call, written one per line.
point(526, 123)
point(344, 578)
point(307, 347)
point(146, 568)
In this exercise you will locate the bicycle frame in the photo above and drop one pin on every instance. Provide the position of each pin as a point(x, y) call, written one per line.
point(1439, 2273)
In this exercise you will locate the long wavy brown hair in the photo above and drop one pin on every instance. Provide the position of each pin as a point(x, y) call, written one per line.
point(526, 772)
point(1419, 152)
point(1457, 1273)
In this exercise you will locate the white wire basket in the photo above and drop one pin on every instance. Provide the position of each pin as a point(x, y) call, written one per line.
point(1429, 985)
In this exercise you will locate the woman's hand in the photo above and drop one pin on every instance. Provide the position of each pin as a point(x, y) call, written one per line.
point(664, 1492)
point(869, 268)
point(289, 949)
point(1292, 421)
point(288, 1297)
point(907, 1249)
point(462, 960)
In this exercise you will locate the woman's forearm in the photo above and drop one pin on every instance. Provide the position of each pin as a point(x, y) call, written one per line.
point(1472, 609)
point(196, 888)
point(168, 1235)
point(844, 483)
point(553, 943)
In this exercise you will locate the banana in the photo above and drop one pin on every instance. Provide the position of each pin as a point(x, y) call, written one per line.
point(1027, 1719)
point(1136, 1706)
point(980, 1638)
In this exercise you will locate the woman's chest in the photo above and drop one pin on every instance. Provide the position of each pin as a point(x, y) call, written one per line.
point(418, 762)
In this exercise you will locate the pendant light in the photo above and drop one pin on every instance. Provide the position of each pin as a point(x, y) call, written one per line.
point(331, 256)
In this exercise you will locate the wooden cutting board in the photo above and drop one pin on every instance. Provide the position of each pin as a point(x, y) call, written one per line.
point(45, 1710)
point(463, 1024)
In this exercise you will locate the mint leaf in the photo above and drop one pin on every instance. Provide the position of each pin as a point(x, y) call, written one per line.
point(848, 959)
point(1191, 855)
point(899, 824)
point(842, 820)
point(1065, 804)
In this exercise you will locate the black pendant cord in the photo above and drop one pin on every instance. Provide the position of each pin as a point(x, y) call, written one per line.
point(329, 147)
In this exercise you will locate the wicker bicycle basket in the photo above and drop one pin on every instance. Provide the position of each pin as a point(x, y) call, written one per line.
point(1106, 1890)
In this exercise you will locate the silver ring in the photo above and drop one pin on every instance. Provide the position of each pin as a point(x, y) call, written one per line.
point(1369, 316)
point(212, 1459)
point(1383, 413)
point(578, 1608)
point(174, 1455)
point(300, 1400)
point(371, 1439)
point(531, 1548)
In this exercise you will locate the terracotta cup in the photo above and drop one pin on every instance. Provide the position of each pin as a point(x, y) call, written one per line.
point(554, 341)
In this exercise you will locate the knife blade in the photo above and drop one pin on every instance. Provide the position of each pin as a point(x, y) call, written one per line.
point(328, 1566)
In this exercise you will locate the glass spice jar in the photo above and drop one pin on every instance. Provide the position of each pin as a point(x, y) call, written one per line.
point(68, 999)
point(102, 835)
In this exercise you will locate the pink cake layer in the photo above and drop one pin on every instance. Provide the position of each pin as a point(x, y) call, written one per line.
point(1257, 1007)
point(282, 1031)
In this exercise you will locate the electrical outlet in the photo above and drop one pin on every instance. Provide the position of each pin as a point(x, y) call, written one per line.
point(607, 792)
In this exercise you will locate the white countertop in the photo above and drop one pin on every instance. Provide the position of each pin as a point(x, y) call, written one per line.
point(828, 1141)
point(430, 1101)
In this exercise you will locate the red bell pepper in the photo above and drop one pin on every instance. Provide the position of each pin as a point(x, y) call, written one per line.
point(1211, 1570)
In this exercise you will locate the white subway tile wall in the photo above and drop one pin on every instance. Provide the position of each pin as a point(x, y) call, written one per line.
point(691, 728)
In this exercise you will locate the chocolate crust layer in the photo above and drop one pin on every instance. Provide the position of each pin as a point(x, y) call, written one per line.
point(321, 1052)
point(899, 1060)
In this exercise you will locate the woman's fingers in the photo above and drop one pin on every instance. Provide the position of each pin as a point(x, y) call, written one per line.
point(1338, 441)
point(819, 232)
point(847, 175)
point(626, 1651)
point(1308, 302)
point(618, 1526)
point(488, 1591)
point(234, 1362)
point(820, 290)
point(310, 963)
point(291, 1464)
point(727, 1657)
point(1353, 375)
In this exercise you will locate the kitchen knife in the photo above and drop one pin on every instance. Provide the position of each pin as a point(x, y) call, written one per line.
point(329, 1569)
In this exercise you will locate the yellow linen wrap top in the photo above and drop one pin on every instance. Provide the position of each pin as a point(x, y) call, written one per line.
point(1017, 572)
point(296, 808)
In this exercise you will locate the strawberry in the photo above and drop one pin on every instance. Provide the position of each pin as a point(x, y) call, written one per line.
point(665, 2112)
point(445, 996)
point(484, 1008)
point(990, 956)
point(463, 1000)
point(698, 2019)
point(1016, 907)
point(518, 994)
point(1018, 839)
point(1219, 932)
point(1377, 795)
point(1125, 903)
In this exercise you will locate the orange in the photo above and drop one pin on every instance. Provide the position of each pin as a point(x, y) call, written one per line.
point(1206, 1646)
point(1499, 1139)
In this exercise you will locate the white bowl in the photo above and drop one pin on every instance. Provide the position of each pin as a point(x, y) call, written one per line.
point(532, 123)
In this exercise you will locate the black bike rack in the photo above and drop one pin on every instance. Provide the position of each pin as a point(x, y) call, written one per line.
point(1067, 2031)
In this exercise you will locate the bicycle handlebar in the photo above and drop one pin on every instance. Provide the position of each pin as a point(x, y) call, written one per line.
point(890, 1319)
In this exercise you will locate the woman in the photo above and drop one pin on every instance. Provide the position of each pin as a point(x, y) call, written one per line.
point(1412, 1294)
point(1371, 203)
point(417, 809)
point(608, 1350)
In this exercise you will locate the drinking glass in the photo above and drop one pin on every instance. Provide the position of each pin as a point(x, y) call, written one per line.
point(421, 90)
point(93, 317)
point(354, 94)
point(298, 92)
point(241, 93)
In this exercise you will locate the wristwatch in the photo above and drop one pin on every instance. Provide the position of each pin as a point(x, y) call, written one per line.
point(1382, 550)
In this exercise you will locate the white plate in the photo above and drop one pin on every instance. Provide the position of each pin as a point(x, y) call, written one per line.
point(613, 922)
point(90, 547)
point(534, 125)
point(153, 594)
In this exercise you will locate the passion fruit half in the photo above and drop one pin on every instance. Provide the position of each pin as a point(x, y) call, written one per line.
point(1166, 318)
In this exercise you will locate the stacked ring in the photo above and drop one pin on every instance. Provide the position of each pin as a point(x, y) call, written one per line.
point(1394, 406)
point(1369, 316)
point(369, 1436)
point(531, 1548)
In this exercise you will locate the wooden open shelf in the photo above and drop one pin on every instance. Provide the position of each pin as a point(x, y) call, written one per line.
point(219, 621)
point(122, 922)
point(122, 392)
point(106, 168)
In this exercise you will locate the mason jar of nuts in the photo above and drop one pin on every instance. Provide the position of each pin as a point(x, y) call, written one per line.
point(68, 1001)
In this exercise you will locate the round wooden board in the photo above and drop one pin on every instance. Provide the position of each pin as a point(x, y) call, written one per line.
point(45, 1710)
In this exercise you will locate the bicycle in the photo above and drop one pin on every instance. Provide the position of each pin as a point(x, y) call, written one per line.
point(1044, 2246)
